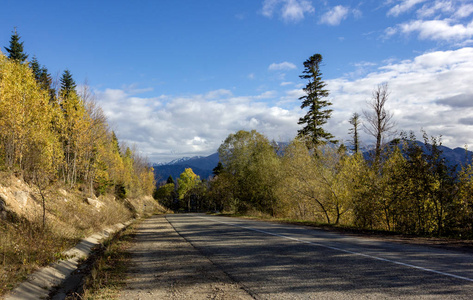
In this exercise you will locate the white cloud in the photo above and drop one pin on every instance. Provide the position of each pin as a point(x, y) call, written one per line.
point(291, 98)
point(430, 9)
point(455, 9)
point(269, 6)
point(432, 91)
point(402, 7)
point(438, 20)
point(289, 10)
point(357, 13)
point(335, 15)
point(363, 64)
point(266, 95)
point(390, 31)
point(168, 127)
point(438, 30)
point(464, 11)
point(284, 66)
point(221, 93)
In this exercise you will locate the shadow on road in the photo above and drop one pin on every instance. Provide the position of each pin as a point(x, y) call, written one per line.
point(270, 265)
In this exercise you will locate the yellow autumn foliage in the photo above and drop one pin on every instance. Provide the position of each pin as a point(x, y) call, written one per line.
point(68, 139)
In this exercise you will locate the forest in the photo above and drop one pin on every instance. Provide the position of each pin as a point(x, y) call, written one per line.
point(399, 186)
point(53, 131)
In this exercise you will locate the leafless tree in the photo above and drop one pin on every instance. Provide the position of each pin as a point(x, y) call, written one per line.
point(379, 121)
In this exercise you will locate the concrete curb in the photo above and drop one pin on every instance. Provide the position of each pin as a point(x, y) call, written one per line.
point(39, 283)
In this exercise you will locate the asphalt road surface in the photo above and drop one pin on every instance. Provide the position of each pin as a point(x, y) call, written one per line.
point(275, 261)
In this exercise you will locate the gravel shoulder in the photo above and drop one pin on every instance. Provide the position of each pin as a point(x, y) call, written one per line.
point(165, 266)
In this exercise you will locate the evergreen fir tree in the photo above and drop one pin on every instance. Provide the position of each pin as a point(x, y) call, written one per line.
point(15, 51)
point(43, 78)
point(68, 84)
point(115, 143)
point(36, 68)
point(46, 82)
point(218, 169)
point(355, 131)
point(314, 100)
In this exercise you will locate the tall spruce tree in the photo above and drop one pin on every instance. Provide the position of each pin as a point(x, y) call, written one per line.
point(36, 68)
point(43, 78)
point(46, 83)
point(15, 51)
point(317, 115)
point(68, 84)
point(355, 131)
point(115, 143)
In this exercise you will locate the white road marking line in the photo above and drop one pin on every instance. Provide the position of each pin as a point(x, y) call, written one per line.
point(344, 250)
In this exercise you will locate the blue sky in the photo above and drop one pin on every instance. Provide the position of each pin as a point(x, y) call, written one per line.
point(176, 77)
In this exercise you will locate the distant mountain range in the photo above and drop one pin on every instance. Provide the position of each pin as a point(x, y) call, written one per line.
point(203, 166)
point(453, 157)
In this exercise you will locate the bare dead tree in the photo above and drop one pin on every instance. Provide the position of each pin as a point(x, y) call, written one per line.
point(97, 131)
point(379, 121)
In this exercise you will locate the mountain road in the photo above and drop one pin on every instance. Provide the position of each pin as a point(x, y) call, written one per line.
point(266, 260)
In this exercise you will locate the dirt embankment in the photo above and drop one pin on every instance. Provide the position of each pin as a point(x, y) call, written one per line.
point(26, 244)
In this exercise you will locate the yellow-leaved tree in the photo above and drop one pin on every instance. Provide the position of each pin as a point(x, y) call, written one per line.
point(187, 181)
point(27, 140)
point(319, 184)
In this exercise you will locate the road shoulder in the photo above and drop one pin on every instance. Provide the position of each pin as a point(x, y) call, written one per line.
point(165, 266)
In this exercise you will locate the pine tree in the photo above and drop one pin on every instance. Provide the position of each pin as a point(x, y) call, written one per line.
point(43, 78)
point(115, 143)
point(314, 100)
point(218, 169)
point(36, 68)
point(355, 131)
point(46, 83)
point(15, 52)
point(68, 84)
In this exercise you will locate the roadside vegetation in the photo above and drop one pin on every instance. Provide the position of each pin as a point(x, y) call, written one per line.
point(399, 186)
point(106, 268)
point(63, 172)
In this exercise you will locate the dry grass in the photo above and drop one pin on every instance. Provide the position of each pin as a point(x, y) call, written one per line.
point(26, 246)
point(107, 274)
